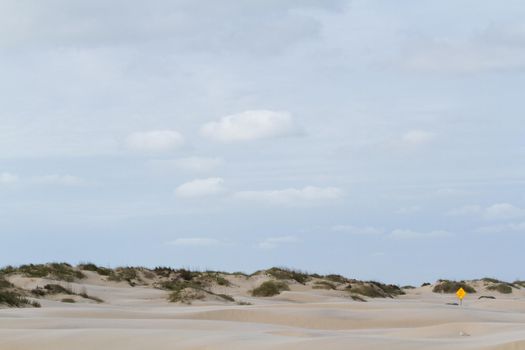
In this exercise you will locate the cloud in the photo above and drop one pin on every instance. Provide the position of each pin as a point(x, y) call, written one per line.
point(506, 228)
point(194, 242)
point(188, 164)
point(201, 188)
point(198, 164)
point(155, 141)
point(65, 180)
point(8, 178)
point(409, 234)
point(417, 137)
point(354, 230)
point(498, 211)
point(309, 195)
point(250, 125)
point(503, 211)
point(274, 242)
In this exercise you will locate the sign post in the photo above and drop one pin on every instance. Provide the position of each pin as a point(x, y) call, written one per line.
point(461, 294)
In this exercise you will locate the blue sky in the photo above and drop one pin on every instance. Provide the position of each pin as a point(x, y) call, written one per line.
point(377, 139)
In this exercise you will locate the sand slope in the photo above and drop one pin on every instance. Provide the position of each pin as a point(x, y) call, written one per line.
point(304, 318)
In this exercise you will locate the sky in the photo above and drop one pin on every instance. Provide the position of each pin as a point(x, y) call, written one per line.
point(376, 139)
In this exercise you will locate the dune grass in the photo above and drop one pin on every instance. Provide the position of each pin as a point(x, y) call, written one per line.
point(282, 273)
point(56, 271)
point(502, 288)
point(103, 271)
point(447, 286)
point(373, 289)
point(270, 288)
point(324, 285)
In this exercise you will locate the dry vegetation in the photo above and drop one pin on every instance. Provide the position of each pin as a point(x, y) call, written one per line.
point(186, 286)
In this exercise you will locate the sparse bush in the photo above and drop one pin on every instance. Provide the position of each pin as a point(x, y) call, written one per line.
point(57, 289)
point(446, 286)
point(408, 287)
point(374, 289)
point(425, 284)
point(4, 283)
point(270, 288)
point(163, 271)
point(323, 285)
point(501, 288)
point(103, 271)
point(128, 274)
point(336, 278)
point(519, 283)
point(490, 280)
point(58, 271)
point(68, 300)
point(367, 290)
point(288, 274)
point(357, 298)
point(13, 299)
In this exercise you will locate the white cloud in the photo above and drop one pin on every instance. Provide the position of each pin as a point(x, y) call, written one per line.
point(65, 180)
point(498, 211)
point(417, 137)
point(8, 178)
point(274, 242)
point(198, 164)
point(409, 234)
point(250, 125)
point(155, 141)
point(309, 195)
point(194, 242)
point(201, 188)
point(510, 227)
point(503, 211)
point(354, 230)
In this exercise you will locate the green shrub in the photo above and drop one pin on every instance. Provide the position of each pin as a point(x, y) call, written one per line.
point(323, 285)
point(389, 289)
point(357, 298)
point(501, 288)
point(58, 271)
point(425, 284)
point(366, 290)
point(57, 289)
point(270, 288)
point(446, 286)
point(519, 283)
point(336, 278)
point(490, 280)
point(103, 271)
point(13, 299)
point(5, 284)
point(288, 274)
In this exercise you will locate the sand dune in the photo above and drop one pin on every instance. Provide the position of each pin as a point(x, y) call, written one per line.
point(140, 317)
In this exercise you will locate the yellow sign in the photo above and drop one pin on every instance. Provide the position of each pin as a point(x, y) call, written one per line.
point(461, 293)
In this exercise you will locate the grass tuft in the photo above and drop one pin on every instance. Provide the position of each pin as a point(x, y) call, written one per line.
point(270, 288)
point(502, 288)
point(446, 286)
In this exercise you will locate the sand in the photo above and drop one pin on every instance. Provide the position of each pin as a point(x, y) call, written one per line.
point(303, 318)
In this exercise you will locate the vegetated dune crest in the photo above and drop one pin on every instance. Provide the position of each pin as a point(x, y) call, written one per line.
point(137, 308)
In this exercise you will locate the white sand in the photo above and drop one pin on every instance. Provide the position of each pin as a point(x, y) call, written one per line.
point(141, 318)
